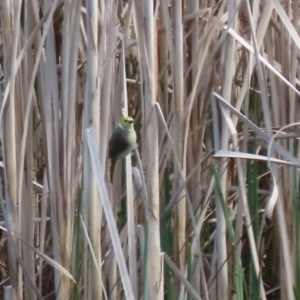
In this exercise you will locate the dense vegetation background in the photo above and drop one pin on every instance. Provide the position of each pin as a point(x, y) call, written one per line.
point(208, 205)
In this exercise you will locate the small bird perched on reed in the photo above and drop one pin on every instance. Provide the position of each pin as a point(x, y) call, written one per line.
point(122, 142)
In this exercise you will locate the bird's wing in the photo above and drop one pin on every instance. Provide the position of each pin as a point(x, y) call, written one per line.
point(118, 143)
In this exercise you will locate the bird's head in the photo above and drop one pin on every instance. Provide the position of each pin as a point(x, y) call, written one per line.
point(126, 122)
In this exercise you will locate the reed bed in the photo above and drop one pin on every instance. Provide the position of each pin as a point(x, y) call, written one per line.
point(207, 207)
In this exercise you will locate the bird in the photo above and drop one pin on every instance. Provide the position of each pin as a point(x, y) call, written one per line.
point(122, 142)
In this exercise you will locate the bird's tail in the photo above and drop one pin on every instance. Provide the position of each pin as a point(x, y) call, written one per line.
point(112, 169)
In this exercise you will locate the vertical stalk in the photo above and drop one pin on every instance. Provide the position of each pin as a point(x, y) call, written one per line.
point(150, 156)
point(91, 203)
point(10, 23)
point(178, 77)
